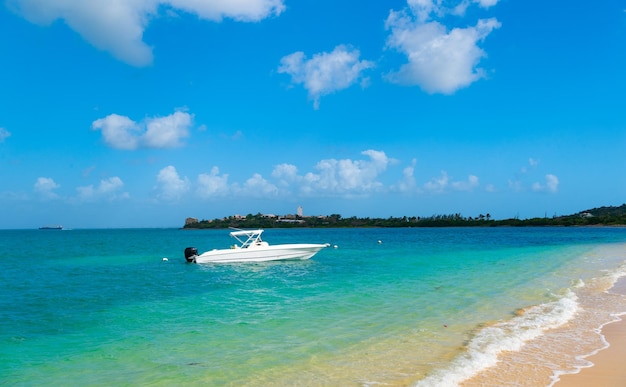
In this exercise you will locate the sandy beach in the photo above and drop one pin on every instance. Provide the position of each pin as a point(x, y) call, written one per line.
point(534, 364)
point(608, 364)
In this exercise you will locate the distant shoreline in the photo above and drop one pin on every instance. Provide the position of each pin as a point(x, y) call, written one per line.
point(365, 227)
point(603, 216)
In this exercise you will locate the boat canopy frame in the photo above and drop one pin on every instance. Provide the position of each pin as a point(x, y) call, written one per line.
point(247, 237)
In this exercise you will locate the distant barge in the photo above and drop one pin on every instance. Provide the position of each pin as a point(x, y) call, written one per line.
point(51, 228)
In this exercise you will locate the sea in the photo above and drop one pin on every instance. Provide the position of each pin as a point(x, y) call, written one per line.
point(379, 307)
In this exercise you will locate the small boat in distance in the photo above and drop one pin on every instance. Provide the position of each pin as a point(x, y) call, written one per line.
point(252, 249)
point(59, 227)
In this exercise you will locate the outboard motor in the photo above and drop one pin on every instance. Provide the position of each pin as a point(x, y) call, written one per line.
point(190, 254)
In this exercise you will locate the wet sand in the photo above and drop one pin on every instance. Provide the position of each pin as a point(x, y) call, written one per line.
point(534, 365)
point(608, 369)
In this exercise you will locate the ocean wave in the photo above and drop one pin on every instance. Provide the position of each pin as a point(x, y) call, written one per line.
point(612, 277)
point(511, 335)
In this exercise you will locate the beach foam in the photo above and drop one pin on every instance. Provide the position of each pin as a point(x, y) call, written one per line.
point(484, 348)
point(565, 348)
point(606, 367)
point(618, 288)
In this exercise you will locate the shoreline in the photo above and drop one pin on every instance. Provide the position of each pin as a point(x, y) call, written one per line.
point(581, 352)
point(606, 368)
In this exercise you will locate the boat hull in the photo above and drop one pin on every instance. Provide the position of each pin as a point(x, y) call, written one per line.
point(261, 254)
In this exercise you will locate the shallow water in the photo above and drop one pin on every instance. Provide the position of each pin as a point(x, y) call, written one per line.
point(434, 306)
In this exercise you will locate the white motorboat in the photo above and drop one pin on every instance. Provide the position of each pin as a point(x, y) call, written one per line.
point(252, 249)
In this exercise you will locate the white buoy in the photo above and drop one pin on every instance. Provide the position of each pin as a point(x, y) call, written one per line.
point(335, 246)
point(164, 259)
point(380, 242)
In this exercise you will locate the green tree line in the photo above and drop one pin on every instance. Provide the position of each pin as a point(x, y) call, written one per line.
point(608, 216)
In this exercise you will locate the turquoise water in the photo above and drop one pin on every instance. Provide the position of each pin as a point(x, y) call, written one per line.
point(102, 307)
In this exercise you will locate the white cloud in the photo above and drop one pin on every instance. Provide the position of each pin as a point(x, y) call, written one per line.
point(438, 184)
point(427, 9)
point(442, 184)
point(532, 163)
point(439, 60)
point(4, 134)
point(212, 184)
point(550, 185)
point(286, 173)
point(170, 185)
point(422, 9)
point(108, 189)
point(121, 132)
point(117, 26)
point(166, 132)
point(240, 10)
point(468, 185)
point(486, 3)
point(336, 177)
point(522, 183)
point(45, 186)
point(325, 73)
point(331, 177)
point(258, 187)
point(343, 177)
point(408, 183)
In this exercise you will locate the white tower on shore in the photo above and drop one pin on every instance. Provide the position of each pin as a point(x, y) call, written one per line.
point(299, 212)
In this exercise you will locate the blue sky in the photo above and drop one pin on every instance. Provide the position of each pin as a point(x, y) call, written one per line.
point(141, 113)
